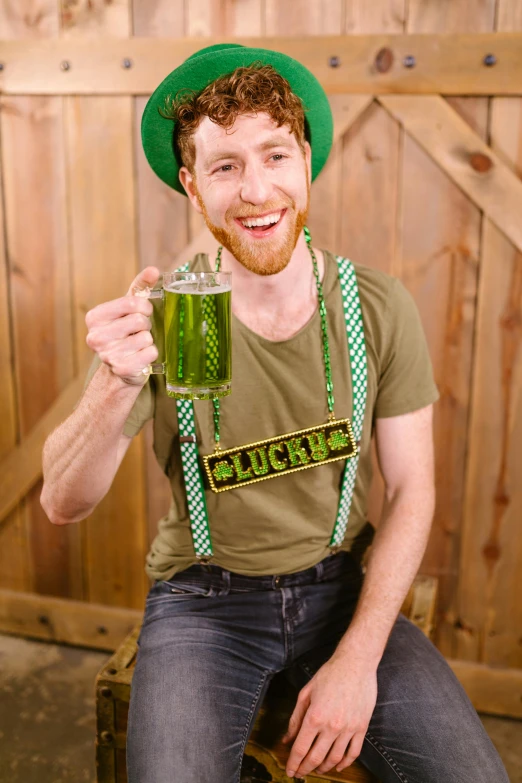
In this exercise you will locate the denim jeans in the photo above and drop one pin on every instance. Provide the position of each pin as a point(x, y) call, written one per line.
point(212, 640)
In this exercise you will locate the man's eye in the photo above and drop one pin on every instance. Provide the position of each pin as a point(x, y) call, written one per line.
point(226, 167)
point(278, 156)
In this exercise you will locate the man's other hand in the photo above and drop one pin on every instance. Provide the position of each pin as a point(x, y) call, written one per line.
point(331, 717)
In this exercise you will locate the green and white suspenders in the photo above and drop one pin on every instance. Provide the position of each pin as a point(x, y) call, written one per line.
point(196, 501)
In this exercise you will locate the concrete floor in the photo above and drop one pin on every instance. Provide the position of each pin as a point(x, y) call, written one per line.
point(47, 715)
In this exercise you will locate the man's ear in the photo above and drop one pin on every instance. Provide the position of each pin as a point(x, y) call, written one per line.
point(188, 181)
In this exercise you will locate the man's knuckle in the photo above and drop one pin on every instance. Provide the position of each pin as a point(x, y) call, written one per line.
point(315, 718)
point(149, 355)
point(315, 758)
point(135, 322)
point(336, 723)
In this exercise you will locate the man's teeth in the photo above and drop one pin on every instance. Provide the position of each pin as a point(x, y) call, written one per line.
point(263, 221)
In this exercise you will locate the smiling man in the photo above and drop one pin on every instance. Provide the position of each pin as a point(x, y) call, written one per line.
point(326, 354)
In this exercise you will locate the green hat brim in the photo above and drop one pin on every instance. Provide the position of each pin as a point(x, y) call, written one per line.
point(196, 73)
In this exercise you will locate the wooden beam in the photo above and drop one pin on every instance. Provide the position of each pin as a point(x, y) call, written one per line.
point(22, 467)
point(491, 690)
point(65, 622)
point(346, 109)
point(449, 64)
point(465, 158)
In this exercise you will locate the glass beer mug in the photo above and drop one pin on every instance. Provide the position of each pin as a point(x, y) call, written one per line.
point(197, 333)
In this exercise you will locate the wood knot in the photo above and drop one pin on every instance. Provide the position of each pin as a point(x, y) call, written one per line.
point(502, 498)
point(384, 60)
point(511, 322)
point(460, 625)
point(491, 551)
point(480, 162)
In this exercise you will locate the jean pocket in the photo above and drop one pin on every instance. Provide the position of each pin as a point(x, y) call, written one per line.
point(172, 589)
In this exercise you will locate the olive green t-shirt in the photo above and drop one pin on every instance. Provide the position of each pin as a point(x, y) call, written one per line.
point(285, 524)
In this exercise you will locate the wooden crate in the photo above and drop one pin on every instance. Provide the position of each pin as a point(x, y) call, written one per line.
point(265, 755)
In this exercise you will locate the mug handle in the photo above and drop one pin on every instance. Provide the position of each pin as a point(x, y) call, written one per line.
point(159, 368)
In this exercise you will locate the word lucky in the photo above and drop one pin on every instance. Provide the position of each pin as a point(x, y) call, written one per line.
point(242, 465)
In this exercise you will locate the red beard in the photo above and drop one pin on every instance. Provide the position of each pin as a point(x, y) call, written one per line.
point(263, 257)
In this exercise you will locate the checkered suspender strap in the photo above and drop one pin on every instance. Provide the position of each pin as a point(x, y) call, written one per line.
point(358, 365)
point(196, 501)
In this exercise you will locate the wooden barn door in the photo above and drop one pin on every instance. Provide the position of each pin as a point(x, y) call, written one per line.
point(423, 183)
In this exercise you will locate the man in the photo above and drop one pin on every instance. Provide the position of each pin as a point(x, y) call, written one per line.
point(244, 132)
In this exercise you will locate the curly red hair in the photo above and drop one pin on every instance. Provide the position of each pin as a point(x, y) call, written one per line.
point(247, 90)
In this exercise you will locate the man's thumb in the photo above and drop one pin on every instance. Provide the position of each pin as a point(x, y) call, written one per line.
point(144, 281)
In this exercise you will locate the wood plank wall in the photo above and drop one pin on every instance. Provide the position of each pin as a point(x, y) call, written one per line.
point(81, 211)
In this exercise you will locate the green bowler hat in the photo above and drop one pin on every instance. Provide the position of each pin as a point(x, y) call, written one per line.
point(207, 65)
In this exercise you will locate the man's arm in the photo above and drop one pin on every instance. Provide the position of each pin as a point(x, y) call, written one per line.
point(334, 709)
point(405, 454)
point(82, 455)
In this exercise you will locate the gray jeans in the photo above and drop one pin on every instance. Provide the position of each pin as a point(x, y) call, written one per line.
point(212, 640)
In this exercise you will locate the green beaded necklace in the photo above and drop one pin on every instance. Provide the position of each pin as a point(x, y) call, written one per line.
point(326, 344)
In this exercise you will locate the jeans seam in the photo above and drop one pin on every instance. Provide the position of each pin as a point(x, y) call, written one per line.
point(381, 750)
point(286, 633)
point(248, 725)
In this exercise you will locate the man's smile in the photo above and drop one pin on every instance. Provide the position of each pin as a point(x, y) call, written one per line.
point(262, 225)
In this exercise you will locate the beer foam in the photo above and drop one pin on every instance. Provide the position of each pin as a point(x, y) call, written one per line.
point(195, 287)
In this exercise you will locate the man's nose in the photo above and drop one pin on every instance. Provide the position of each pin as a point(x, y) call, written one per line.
point(256, 187)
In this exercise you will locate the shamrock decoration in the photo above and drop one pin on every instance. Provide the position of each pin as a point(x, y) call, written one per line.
point(222, 471)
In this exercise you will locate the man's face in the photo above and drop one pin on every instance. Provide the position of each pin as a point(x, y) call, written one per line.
point(252, 173)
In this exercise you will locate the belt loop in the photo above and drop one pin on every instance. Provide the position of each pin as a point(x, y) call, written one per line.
point(224, 588)
point(319, 571)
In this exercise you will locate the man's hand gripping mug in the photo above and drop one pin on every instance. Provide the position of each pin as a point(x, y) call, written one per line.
point(197, 333)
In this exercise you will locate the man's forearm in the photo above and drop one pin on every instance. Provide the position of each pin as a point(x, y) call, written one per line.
point(80, 456)
point(394, 560)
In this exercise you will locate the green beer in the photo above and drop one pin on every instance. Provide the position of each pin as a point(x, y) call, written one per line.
point(197, 328)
